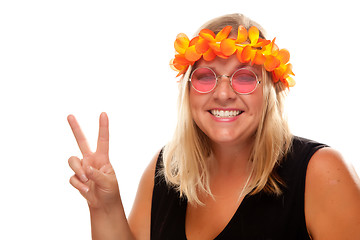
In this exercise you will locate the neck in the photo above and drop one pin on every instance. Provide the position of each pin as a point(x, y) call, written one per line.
point(231, 159)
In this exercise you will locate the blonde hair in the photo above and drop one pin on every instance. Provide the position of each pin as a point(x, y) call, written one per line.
point(184, 157)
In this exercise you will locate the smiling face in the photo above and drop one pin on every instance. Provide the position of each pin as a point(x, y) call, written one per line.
point(223, 115)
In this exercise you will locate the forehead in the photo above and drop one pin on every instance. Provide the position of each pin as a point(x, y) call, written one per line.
point(227, 66)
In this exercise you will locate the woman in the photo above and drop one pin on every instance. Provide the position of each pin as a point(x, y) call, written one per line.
point(233, 170)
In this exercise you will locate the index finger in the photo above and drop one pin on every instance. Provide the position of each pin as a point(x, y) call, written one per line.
point(79, 136)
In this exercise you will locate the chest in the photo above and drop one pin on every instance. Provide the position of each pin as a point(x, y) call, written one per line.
point(208, 221)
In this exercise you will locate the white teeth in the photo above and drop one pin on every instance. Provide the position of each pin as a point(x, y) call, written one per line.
point(225, 114)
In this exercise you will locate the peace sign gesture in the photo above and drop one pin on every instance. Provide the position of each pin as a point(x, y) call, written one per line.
point(94, 176)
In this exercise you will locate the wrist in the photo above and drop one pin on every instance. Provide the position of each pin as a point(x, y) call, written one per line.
point(106, 208)
point(109, 222)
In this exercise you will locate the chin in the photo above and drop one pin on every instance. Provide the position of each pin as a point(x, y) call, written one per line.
point(225, 138)
point(229, 136)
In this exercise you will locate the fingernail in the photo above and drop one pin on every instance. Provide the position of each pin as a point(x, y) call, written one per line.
point(85, 189)
point(84, 178)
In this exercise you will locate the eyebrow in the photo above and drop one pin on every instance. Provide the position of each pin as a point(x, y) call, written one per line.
point(239, 66)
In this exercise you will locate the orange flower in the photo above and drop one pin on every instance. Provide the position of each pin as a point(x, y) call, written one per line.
point(245, 51)
point(277, 63)
point(283, 73)
point(186, 53)
point(213, 42)
point(180, 64)
point(181, 43)
point(247, 46)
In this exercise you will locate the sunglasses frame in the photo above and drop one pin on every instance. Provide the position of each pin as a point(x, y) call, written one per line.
point(230, 78)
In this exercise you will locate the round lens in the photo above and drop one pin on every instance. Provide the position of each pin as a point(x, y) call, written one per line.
point(203, 80)
point(244, 81)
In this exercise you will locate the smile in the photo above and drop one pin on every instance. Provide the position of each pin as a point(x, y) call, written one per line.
point(226, 113)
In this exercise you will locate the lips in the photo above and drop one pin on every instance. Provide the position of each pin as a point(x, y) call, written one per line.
point(219, 113)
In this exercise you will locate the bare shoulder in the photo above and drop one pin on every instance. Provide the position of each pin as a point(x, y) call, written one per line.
point(140, 215)
point(332, 197)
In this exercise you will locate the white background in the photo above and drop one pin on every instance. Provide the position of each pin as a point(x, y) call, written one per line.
point(85, 57)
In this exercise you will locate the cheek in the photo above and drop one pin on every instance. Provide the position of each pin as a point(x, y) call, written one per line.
point(192, 100)
point(258, 104)
point(255, 102)
point(197, 103)
point(255, 105)
point(193, 103)
point(195, 100)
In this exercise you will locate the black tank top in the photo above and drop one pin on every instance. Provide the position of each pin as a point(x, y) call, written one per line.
point(259, 217)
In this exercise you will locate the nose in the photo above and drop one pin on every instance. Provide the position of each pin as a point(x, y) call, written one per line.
point(223, 90)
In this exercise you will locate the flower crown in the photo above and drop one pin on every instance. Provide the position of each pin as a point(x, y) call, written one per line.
point(249, 48)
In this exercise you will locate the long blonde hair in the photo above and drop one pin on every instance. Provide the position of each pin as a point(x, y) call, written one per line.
point(185, 165)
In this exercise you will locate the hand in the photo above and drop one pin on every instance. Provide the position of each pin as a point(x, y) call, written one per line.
point(94, 176)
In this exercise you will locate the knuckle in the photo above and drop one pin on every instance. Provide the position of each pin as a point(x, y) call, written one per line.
point(72, 180)
point(88, 154)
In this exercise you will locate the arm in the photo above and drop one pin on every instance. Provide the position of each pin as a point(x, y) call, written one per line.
point(108, 219)
point(110, 223)
point(332, 197)
point(95, 179)
point(140, 215)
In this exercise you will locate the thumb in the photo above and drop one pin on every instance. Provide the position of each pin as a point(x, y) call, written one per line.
point(96, 175)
